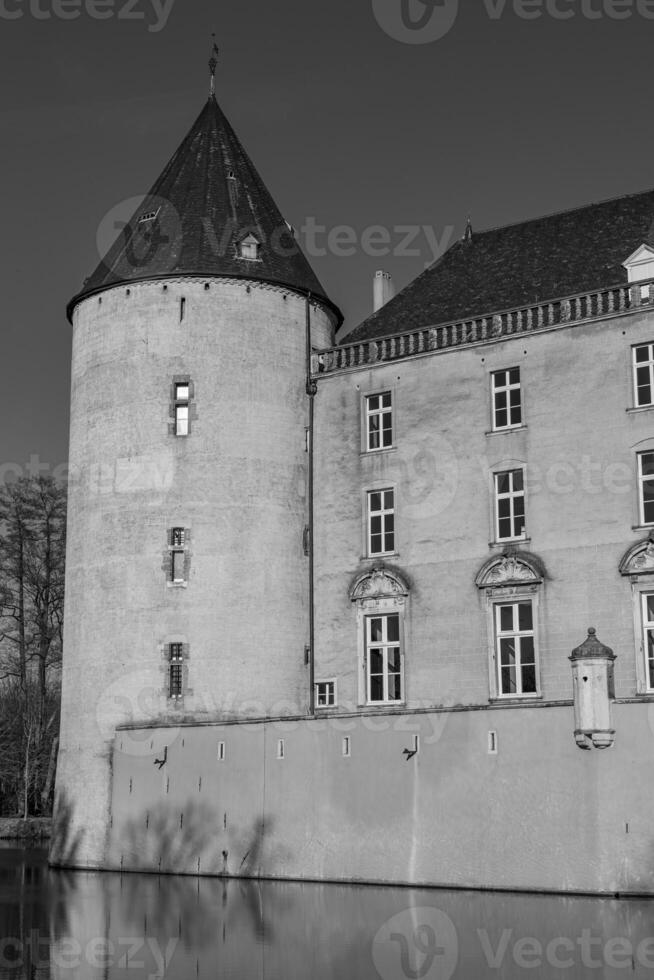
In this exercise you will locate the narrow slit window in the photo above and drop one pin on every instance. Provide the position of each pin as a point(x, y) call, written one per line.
point(177, 566)
point(182, 404)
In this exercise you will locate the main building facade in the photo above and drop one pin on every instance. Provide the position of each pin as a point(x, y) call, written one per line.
point(322, 600)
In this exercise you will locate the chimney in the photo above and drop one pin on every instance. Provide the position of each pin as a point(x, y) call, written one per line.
point(382, 290)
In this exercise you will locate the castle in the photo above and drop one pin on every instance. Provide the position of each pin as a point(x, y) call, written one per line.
point(328, 606)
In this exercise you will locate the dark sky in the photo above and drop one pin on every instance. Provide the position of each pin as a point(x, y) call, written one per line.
point(503, 117)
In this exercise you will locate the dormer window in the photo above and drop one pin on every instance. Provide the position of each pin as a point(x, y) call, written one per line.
point(640, 266)
point(249, 248)
point(149, 216)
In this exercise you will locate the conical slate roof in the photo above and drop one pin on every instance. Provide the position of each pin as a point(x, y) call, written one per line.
point(206, 202)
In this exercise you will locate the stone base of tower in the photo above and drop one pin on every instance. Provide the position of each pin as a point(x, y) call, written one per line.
point(495, 798)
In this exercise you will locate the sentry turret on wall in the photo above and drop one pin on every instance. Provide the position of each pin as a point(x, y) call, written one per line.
point(592, 679)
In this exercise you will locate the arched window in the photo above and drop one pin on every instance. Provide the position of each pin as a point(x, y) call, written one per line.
point(512, 584)
point(380, 597)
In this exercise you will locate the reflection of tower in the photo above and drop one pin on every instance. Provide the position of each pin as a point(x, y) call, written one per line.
point(187, 583)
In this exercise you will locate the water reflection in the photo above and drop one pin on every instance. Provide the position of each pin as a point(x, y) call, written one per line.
point(107, 926)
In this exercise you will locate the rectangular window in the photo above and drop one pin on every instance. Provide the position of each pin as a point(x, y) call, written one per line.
point(515, 649)
point(381, 522)
point(177, 537)
point(383, 659)
point(510, 505)
point(507, 399)
point(325, 694)
point(648, 638)
point(177, 566)
point(182, 398)
point(646, 487)
point(379, 421)
point(175, 670)
point(643, 374)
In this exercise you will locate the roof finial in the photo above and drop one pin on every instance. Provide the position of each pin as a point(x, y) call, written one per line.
point(213, 64)
point(468, 235)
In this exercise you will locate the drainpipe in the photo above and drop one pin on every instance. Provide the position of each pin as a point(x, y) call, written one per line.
point(312, 389)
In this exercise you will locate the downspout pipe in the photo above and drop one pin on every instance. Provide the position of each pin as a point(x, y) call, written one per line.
point(311, 388)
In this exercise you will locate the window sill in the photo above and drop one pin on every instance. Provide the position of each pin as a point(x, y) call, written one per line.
point(507, 542)
point(380, 705)
point(642, 527)
point(378, 452)
point(638, 409)
point(509, 428)
point(515, 699)
point(177, 585)
point(386, 554)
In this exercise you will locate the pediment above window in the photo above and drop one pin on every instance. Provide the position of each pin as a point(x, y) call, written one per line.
point(640, 265)
point(380, 583)
point(639, 560)
point(519, 569)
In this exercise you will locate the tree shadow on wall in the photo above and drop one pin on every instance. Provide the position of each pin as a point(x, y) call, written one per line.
point(65, 841)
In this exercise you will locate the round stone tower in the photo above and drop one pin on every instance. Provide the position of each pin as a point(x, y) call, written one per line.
point(187, 580)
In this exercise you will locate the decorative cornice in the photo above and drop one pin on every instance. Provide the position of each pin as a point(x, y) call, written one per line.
point(639, 559)
point(517, 569)
point(377, 584)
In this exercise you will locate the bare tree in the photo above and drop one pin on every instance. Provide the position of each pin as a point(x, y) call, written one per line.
point(32, 555)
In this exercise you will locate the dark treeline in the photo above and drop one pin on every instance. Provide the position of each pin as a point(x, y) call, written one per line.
point(32, 555)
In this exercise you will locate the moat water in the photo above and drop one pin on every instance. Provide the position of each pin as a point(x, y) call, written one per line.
point(56, 924)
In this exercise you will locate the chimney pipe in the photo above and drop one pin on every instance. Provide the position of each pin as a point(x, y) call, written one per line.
point(382, 289)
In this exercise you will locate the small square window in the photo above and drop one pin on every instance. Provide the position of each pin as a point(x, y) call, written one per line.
point(325, 694)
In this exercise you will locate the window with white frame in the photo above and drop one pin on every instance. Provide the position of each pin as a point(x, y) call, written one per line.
point(381, 522)
point(175, 670)
point(507, 399)
point(512, 585)
point(515, 649)
point(381, 601)
point(182, 404)
point(383, 659)
point(509, 505)
point(646, 487)
point(325, 694)
point(647, 612)
point(379, 421)
point(643, 366)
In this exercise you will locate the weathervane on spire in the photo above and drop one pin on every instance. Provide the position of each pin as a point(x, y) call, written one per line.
point(213, 64)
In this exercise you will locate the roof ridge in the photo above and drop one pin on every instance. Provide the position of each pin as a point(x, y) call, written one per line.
point(558, 214)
